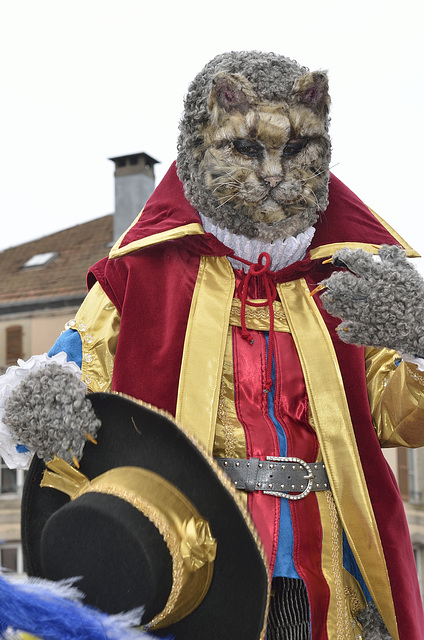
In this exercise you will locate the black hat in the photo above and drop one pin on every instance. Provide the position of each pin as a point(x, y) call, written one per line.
point(148, 521)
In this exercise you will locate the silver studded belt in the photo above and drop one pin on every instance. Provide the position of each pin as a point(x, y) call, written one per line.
point(276, 476)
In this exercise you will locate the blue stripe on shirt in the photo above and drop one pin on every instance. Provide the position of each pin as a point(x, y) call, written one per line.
point(284, 564)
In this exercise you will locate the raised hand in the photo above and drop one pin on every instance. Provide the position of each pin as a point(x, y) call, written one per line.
point(380, 301)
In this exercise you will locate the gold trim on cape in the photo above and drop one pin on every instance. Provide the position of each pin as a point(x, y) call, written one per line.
point(327, 250)
point(337, 441)
point(410, 252)
point(192, 229)
point(338, 621)
point(205, 340)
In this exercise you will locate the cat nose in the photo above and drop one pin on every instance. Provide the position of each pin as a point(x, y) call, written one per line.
point(273, 180)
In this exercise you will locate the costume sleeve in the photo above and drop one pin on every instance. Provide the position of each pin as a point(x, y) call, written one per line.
point(396, 395)
point(68, 342)
point(97, 324)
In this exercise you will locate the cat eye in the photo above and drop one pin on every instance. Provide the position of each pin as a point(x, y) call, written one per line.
point(293, 147)
point(248, 148)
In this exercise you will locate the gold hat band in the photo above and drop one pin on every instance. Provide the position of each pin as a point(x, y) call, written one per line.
point(186, 534)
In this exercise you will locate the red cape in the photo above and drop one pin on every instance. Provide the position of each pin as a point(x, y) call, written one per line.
point(152, 289)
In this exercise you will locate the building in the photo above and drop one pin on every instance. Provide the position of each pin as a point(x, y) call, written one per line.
point(42, 284)
point(408, 466)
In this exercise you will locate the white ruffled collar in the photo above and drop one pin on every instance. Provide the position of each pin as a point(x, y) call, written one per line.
point(283, 253)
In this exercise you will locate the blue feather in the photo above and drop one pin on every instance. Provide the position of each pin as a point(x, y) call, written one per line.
point(38, 607)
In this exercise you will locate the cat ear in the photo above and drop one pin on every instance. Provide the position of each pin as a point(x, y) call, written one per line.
point(311, 89)
point(231, 92)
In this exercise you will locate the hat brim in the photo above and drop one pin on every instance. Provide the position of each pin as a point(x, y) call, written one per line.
point(133, 434)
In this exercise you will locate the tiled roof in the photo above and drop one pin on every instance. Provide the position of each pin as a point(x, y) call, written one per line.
point(78, 247)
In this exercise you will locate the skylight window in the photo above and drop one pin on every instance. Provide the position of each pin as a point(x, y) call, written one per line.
point(40, 259)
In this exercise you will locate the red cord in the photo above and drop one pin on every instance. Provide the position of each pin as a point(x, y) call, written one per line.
point(260, 270)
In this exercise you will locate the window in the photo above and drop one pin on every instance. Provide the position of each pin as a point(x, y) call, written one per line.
point(403, 475)
point(409, 476)
point(11, 560)
point(40, 259)
point(418, 555)
point(11, 480)
point(413, 476)
point(14, 348)
point(8, 479)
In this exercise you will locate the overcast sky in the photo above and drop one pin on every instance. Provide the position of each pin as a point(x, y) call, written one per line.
point(86, 80)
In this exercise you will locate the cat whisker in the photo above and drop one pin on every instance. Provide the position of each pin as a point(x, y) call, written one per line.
point(314, 198)
point(312, 176)
point(229, 174)
point(310, 198)
point(296, 207)
point(315, 174)
point(225, 184)
point(336, 164)
point(232, 177)
point(225, 201)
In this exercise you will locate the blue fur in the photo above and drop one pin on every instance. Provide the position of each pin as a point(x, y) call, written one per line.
point(34, 608)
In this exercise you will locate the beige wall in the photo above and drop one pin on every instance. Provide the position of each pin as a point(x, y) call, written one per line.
point(40, 331)
point(45, 329)
point(391, 457)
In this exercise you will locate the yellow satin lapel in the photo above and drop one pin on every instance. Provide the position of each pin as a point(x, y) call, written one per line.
point(335, 433)
point(198, 391)
point(191, 229)
point(327, 250)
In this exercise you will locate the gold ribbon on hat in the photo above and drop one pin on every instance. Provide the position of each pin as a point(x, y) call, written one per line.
point(61, 476)
point(197, 544)
point(186, 534)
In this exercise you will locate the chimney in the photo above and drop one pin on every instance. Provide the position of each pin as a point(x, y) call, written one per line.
point(134, 184)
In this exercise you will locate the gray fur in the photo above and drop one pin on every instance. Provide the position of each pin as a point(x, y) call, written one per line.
point(372, 623)
point(381, 303)
point(272, 77)
point(50, 413)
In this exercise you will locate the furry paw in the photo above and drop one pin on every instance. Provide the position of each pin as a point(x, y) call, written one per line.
point(381, 302)
point(49, 413)
point(372, 624)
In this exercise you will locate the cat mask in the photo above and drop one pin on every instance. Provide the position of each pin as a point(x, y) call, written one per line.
point(254, 149)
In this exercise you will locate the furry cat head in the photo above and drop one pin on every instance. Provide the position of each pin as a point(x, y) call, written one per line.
point(254, 149)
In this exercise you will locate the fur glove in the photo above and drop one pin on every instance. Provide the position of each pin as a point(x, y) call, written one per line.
point(48, 412)
point(380, 302)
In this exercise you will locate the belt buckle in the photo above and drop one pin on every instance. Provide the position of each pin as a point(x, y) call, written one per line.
point(309, 477)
